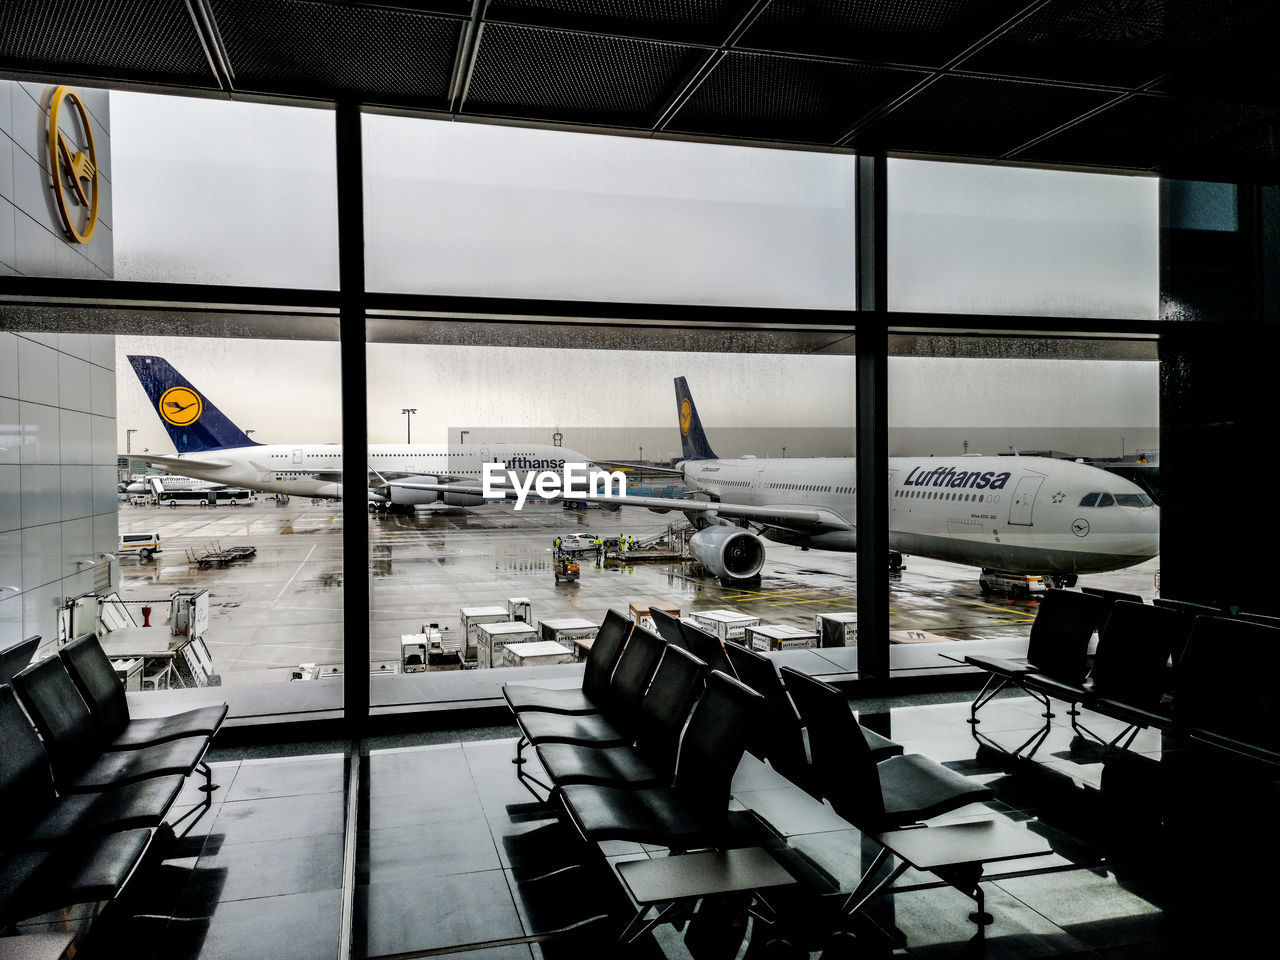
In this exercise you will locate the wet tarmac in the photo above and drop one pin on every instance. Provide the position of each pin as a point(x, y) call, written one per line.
point(283, 607)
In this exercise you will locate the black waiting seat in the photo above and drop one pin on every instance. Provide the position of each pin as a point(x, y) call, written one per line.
point(101, 689)
point(39, 881)
point(590, 698)
point(1190, 606)
point(1058, 647)
point(666, 705)
point(874, 797)
point(1227, 687)
point(781, 740)
point(615, 726)
point(78, 746)
point(36, 817)
point(706, 646)
point(16, 656)
point(693, 811)
point(668, 627)
point(1129, 671)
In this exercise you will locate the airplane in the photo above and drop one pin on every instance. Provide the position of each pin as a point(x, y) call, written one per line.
point(211, 447)
point(160, 483)
point(1008, 515)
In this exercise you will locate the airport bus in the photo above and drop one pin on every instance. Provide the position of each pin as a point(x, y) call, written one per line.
point(233, 496)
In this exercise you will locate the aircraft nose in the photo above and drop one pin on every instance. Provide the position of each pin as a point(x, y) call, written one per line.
point(1146, 531)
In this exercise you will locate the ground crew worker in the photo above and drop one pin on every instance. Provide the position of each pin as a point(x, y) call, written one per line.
point(558, 542)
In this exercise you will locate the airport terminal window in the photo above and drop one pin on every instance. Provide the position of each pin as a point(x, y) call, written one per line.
point(588, 217)
point(272, 563)
point(1050, 425)
point(213, 191)
point(970, 238)
point(443, 564)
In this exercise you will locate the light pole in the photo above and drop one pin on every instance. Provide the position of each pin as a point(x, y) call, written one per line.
point(784, 453)
point(462, 436)
point(642, 454)
point(408, 423)
point(128, 440)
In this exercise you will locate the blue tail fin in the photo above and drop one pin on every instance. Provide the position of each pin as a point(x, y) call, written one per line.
point(693, 441)
point(193, 422)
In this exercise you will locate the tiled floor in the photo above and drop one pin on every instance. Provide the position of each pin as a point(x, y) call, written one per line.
point(455, 857)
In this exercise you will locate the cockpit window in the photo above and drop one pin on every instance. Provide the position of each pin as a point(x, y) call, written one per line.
point(1089, 500)
point(1129, 500)
point(1106, 500)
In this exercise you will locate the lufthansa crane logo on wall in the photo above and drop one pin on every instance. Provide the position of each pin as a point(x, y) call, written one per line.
point(686, 416)
point(181, 406)
point(74, 166)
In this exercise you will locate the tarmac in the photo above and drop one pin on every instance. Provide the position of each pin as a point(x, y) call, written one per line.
point(282, 607)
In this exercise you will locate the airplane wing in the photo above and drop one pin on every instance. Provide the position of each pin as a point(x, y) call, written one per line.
point(177, 465)
point(781, 517)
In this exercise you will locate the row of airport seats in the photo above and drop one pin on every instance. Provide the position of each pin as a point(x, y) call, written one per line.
point(647, 749)
point(84, 787)
point(1183, 669)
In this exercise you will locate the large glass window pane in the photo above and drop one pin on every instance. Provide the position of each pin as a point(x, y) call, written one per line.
point(1017, 465)
point(214, 191)
point(779, 425)
point(247, 516)
point(468, 209)
point(1003, 240)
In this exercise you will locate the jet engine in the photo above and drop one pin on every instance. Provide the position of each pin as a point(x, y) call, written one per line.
point(730, 553)
point(399, 496)
point(462, 499)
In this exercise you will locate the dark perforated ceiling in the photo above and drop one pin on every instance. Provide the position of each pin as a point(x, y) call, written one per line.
point(1180, 87)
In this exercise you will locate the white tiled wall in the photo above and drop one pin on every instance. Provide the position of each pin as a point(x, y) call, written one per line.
point(57, 430)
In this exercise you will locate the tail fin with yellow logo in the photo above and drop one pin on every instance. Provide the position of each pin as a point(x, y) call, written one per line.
point(193, 422)
point(693, 441)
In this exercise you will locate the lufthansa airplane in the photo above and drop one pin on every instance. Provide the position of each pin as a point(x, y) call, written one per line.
point(1016, 515)
point(211, 447)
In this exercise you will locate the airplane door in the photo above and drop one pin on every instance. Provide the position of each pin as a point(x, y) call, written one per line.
point(484, 458)
point(1024, 500)
point(297, 456)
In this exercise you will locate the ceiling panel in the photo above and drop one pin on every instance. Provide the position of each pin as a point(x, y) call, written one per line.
point(136, 41)
point(783, 98)
point(1155, 85)
point(336, 50)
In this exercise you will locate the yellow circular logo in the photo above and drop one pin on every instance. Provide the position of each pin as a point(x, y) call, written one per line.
point(74, 169)
point(686, 416)
point(181, 406)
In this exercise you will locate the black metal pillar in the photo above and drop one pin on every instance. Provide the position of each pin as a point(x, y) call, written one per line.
point(872, 500)
point(355, 426)
point(1219, 277)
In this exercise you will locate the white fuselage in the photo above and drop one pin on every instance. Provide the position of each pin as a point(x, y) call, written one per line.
point(1016, 514)
point(315, 469)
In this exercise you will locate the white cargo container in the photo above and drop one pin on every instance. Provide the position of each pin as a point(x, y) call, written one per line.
point(766, 637)
point(535, 653)
point(519, 608)
point(837, 629)
point(492, 637)
point(565, 631)
point(471, 618)
point(725, 624)
point(639, 611)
